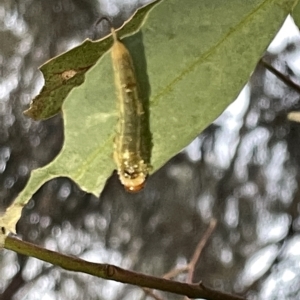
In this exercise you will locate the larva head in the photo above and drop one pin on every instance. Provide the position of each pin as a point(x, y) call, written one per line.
point(133, 182)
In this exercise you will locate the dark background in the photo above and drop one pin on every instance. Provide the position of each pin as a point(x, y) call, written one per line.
point(243, 170)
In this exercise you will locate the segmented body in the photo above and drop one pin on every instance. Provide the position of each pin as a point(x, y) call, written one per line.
point(132, 168)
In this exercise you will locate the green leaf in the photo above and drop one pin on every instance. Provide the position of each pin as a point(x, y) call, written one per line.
point(66, 71)
point(296, 12)
point(192, 58)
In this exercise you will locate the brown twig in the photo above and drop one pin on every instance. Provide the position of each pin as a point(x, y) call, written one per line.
point(281, 76)
point(175, 272)
point(199, 248)
point(198, 251)
point(190, 267)
point(115, 273)
point(151, 293)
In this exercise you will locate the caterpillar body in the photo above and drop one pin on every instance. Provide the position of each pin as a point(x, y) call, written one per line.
point(128, 152)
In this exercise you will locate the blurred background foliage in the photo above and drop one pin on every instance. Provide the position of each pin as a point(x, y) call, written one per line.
point(243, 170)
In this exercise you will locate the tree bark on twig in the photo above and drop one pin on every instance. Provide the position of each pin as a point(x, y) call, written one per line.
point(115, 273)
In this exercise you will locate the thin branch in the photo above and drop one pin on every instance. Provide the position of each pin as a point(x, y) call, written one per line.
point(175, 272)
point(198, 251)
point(190, 267)
point(281, 76)
point(151, 293)
point(294, 115)
point(199, 248)
point(115, 273)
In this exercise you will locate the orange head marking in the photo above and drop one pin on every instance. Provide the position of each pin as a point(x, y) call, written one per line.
point(134, 182)
point(134, 189)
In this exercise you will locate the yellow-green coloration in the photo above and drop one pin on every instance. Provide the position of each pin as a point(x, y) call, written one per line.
point(193, 77)
point(128, 153)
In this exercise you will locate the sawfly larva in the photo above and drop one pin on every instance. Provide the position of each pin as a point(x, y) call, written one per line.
point(128, 148)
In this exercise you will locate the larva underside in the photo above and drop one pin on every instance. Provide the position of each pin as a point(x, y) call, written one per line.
point(128, 154)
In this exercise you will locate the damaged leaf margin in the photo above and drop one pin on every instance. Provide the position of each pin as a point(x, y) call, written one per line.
point(66, 71)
